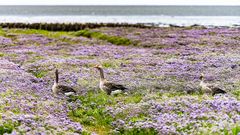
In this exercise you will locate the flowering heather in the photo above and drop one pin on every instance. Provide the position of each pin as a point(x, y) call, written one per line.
point(5, 41)
point(181, 114)
point(34, 39)
point(27, 101)
point(161, 68)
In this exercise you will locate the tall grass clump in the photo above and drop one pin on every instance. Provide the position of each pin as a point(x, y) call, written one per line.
point(112, 39)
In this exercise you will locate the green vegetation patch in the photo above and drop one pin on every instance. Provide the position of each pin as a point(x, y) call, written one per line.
point(2, 32)
point(7, 127)
point(42, 32)
point(138, 131)
point(38, 73)
point(114, 63)
point(237, 94)
point(1, 54)
point(112, 39)
point(135, 98)
point(235, 131)
point(91, 112)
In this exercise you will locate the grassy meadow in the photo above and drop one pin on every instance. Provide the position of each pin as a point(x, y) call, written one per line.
point(159, 66)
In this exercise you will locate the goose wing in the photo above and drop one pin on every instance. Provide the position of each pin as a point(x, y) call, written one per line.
point(109, 87)
point(217, 90)
point(65, 89)
point(114, 86)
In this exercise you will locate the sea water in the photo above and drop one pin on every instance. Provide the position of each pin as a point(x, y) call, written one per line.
point(157, 15)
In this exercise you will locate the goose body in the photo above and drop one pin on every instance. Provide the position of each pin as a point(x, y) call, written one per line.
point(107, 86)
point(210, 89)
point(61, 89)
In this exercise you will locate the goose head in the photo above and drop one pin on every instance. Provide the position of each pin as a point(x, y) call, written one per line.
point(201, 76)
point(98, 67)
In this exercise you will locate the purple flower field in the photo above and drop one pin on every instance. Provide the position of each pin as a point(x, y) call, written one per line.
point(161, 67)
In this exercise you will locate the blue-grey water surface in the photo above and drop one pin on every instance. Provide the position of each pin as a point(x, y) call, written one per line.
point(162, 15)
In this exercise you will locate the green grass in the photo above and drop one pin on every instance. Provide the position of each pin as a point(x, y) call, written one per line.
point(85, 133)
point(12, 55)
point(109, 65)
point(2, 32)
point(113, 63)
point(30, 53)
point(1, 54)
point(235, 131)
point(8, 127)
point(85, 33)
point(136, 98)
point(237, 94)
point(84, 57)
point(138, 131)
point(92, 113)
point(186, 128)
point(42, 32)
point(34, 59)
point(112, 39)
point(39, 73)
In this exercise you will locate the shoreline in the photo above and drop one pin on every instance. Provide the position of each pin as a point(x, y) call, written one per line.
point(68, 26)
point(157, 21)
point(81, 26)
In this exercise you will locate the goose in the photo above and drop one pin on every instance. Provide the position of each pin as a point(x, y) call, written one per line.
point(107, 86)
point(61, 89)
point(210, 89)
